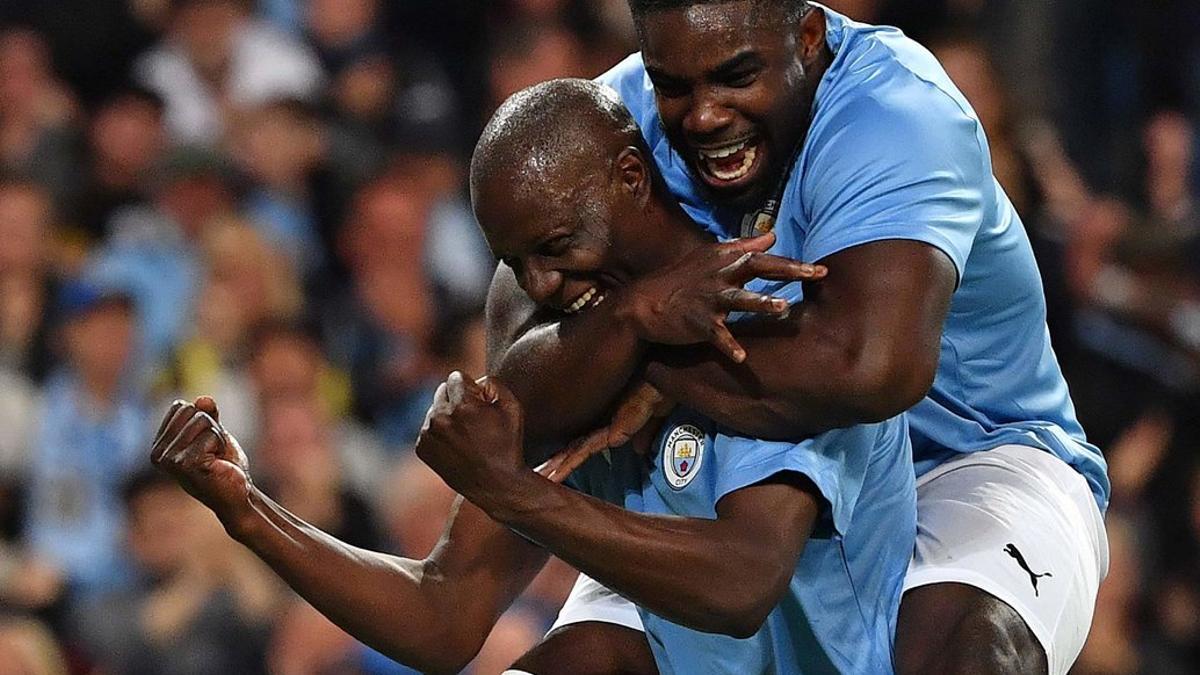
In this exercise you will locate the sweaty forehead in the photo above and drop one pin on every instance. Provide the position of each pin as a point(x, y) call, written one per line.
point(689, 36)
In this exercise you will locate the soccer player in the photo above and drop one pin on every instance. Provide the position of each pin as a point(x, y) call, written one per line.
point(854, 142)
point(751, 556)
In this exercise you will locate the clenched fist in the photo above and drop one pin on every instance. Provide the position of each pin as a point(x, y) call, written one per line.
point(473, 434)
point(206, 460)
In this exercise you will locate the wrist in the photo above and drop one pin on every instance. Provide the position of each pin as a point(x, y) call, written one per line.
point(630, 311)
point(241, 519)
point(512, 497)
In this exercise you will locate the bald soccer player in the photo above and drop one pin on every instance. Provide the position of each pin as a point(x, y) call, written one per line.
point(742, 555)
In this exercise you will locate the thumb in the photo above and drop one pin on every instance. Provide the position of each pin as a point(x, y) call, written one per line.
point(208, 405)
point(494, 392)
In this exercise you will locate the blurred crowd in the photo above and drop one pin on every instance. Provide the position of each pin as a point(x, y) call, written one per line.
point(263, 200)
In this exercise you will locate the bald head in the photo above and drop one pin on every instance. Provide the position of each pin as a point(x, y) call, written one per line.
point(551, 135)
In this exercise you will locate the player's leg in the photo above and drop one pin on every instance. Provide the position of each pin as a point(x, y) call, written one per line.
point(955, 628)
point(1009, 557)
point(597, 633)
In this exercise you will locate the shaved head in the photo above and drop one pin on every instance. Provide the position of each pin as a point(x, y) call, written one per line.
point(568, 196)
point(549, 134)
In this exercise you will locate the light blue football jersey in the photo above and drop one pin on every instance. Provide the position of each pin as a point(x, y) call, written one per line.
point(896, 152)
point(838, 614)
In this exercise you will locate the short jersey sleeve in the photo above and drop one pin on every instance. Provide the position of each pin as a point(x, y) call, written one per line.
point(835, 461)
point(910, 164)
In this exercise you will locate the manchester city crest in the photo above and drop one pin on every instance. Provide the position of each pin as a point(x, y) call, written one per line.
point(683, 453)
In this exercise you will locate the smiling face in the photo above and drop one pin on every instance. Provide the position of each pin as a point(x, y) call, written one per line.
point(562, 238)
point(564, 190)
point(735, 83)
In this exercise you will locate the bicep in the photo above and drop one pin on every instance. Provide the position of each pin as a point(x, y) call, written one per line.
point(883, 304)
point(894, 294)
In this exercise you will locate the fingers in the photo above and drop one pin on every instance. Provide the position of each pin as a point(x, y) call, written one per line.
point(167, 420)
point(456, 388)
point(494, 392)
point(739, 300)
point(564, 463)
point(181, 414)
point(209, 406)
point(723, 340)
point(775, 268)
point(756, 244)
point(199, 423)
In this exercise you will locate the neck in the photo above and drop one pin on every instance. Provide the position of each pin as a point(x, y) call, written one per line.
point(671, 236)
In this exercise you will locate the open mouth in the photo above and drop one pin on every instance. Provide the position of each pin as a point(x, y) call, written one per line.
point(586, 300)
point(731, 165)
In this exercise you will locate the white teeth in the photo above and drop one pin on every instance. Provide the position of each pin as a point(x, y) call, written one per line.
point(735, 173)
point(720, 153)
point(581, 301)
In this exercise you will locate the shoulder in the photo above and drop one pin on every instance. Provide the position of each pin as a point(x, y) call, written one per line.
point(633, 85)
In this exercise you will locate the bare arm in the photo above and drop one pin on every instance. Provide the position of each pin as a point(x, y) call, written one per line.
point(862, 347)
point(432, 614)
point(746, 556)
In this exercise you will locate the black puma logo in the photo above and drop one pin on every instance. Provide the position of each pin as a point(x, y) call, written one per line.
point(1011, 549)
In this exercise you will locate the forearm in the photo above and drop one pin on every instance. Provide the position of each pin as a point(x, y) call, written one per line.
point(863, 346)
point(640, 555)
point(571, 371)
point(411, 610)
point(797, 380)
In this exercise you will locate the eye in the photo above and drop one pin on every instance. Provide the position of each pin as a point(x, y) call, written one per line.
point(669, 88)
point(556, 247)
point(741, 79)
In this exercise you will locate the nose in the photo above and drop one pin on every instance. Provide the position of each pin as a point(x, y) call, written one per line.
point(538, 283)
point(708, 115)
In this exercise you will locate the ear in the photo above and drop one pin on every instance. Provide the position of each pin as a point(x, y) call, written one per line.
point(812, 34)
point(633, 175)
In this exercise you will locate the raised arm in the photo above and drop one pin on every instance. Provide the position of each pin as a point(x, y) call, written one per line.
point(746, 556)
point(863, 346)
point(432, 614)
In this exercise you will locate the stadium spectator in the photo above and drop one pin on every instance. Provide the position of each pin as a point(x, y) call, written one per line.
point(27, 647)
point(200, 604)
point(287, 364)
point(379, 329)
point(218, 60)
point(301, 465)
point(280, 145)
point(27, 282)
point(126, 139)
point(246, 284)
point(92, 433)
point(153, 249)
point(37, 113)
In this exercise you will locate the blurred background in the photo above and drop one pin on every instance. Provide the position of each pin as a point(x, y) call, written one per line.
point(263, 200)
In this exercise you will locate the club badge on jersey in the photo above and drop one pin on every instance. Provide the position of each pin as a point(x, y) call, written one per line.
point(761, 221)
point(683, 453)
